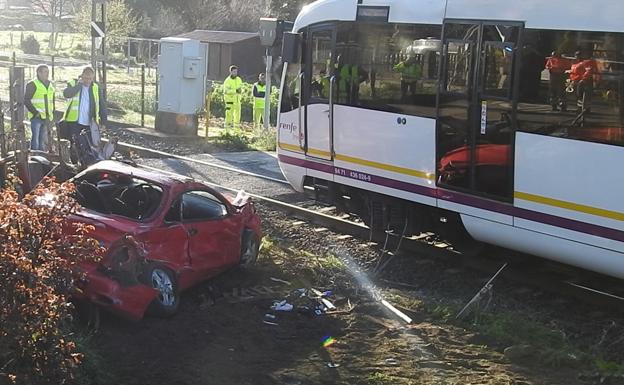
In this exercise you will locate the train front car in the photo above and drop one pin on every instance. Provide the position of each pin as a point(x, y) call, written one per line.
point(473, 120)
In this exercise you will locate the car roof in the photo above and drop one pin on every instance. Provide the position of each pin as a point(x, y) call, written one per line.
point(138, 172)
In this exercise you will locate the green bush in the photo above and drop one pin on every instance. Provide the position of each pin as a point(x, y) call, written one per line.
point(217, 104)
point(30, 45)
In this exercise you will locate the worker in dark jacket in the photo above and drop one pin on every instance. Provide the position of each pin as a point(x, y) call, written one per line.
point(39, 101)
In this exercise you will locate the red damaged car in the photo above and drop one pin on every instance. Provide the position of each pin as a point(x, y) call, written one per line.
point(162, 234)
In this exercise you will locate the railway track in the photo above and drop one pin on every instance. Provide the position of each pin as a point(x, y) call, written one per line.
point(583, 285)
point(527, 270)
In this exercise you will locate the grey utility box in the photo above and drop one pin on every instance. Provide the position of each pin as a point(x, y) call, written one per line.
point(182, 72)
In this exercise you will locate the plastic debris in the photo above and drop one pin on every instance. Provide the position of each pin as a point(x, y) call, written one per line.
point(328, 304)
point(391, 361)
point(396, 311)
point(270, 323)
point(282, 306)
point(332, 365)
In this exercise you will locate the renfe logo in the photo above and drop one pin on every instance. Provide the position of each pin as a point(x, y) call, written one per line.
point(290, 127)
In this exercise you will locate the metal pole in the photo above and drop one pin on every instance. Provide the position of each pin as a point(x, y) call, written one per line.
point(128, 56)
point(149, 53)
point(53, 62)
point(104, 51)
point(156, 93)
point(142, 95)
point(267, 96)
point(93, 58)
point(207, 114)
point(14, 59)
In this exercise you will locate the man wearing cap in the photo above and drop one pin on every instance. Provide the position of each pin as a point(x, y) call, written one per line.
point(39, 101)
point(232, 88)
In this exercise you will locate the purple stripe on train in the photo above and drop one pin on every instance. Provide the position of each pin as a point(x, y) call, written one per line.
point(464, 199)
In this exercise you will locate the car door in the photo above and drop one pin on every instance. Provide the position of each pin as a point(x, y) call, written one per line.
point(214, 235)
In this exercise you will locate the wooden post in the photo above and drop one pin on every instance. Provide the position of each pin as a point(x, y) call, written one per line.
point(128, 56)
point(64, 151)
point(3, 149)
point(22, 157)
point(16, 96)
point(207, 113)
point(16, 81)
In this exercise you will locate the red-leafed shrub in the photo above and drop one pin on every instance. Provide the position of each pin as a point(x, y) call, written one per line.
point(38, 261)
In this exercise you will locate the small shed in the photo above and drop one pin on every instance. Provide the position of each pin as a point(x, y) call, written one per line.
point(228, 47)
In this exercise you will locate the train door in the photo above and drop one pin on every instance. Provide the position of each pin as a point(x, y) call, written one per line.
point(318, 84)
point(477, 100)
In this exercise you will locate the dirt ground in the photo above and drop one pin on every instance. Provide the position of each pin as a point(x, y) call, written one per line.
point(219, 337)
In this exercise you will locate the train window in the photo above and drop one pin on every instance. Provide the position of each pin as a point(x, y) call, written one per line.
point(459, 66)
point(572, 85)
point(320, 60)
point(388, 67)
point(291, 85)
point(498, 67)
point(291, 90)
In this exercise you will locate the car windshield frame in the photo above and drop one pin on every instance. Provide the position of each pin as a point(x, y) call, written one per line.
point(113, 193)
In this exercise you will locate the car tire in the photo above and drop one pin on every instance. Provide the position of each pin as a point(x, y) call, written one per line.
point(250, 248)
point(163, 280)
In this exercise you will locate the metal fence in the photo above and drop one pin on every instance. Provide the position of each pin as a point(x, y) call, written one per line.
point(131, 91)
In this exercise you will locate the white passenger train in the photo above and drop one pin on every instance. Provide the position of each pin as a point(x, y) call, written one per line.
point(443, 115)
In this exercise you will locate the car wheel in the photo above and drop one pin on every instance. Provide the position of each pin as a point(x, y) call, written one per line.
point(163, 280)
point(250, 247)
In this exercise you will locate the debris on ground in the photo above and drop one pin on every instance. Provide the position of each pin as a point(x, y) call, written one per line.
point(310, 302)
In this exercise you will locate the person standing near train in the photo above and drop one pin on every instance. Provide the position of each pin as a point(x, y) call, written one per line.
point(232, 89)
point(259, 93)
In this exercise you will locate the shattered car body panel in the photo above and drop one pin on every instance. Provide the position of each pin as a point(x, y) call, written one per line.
point(144, 218)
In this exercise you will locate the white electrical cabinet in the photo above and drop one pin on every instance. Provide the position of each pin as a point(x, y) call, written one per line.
point(182, 71)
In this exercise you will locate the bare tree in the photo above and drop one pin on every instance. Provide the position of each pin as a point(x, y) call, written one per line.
point(120, 21)
point(54, 11)
point(235, 15)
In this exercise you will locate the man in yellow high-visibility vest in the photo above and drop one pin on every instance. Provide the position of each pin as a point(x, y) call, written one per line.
point(259, 92)
point(411, 72)
point(85, 103)
point(86, 109)
point(232, 89)
point(39, 101)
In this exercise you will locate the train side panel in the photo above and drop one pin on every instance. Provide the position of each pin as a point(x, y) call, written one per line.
point(570, 189)
point(385, 152)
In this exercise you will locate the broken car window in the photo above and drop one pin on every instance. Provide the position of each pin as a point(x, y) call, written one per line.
point(201, 205)
point(124, 195)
